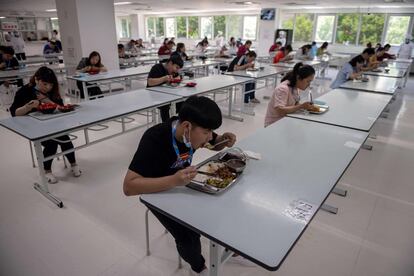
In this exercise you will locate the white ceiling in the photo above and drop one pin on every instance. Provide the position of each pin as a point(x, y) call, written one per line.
point(151, 6)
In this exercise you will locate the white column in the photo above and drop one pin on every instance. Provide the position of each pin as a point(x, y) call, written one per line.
point(134, 26)
point(267, 30)
point(86, 26)
point(141, 26)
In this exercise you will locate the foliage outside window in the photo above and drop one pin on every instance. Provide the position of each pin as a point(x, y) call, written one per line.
point(324, 28)
point(234, 23)
point(303, 27)
point(371, 28)
point(219, 25)
point(193, 27)
point(170, 27)
point(397, 29)
point(287, 21)
point(159, 26)
point(347, 28)
point(207, 27)
point(181, 27)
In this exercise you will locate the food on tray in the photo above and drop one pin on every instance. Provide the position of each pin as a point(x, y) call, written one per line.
point(191, 84)
point(175, 80)
point(66, 108)
point(202, 178)
point(314, 108)
point(47, 108)
point(215, 174)
point(211, 167)
point(219, 183)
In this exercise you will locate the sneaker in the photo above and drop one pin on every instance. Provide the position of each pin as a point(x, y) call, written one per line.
point(51, 179)
point(254, 100)
point(236, 259)
point(76, 171)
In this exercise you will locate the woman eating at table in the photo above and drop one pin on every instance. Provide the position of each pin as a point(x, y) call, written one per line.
point(283, 54)
point(180, 51)
point(304, 52)
point(350, 71)
point(91, 65)
point(44, 88)
point(378, 57)
point(285, 98)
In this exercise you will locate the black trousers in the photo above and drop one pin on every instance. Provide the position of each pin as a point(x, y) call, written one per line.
point(187, 242)
point(92, 91)
point(50, 148)
point(165, 111)
point(21, 56)
point(249, 96)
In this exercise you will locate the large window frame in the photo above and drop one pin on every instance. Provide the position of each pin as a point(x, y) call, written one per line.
point(386, 27)
point(315, 27)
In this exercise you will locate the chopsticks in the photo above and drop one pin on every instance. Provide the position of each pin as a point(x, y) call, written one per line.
point(210, 147)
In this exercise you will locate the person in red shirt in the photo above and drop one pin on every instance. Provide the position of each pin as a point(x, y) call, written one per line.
point(283, 54)
point(387, 47)
point(244, 49)
point(166, 50)
point(275, 47)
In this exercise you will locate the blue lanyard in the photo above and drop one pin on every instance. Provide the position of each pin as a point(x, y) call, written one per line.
point(177, 151)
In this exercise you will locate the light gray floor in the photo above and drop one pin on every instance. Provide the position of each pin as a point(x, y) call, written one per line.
point(101, 232)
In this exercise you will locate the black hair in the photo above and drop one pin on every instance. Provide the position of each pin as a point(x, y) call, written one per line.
point(120, 46)
point(325, 45)
point(170, 42)
point(369, 45)
point(177, 60)
point(380, 49)
point(8, 50)
point(299, 71)
point(355, 60)
point(369, 51)
point(94, 54)
point(387, 46)
point(278, 42)
point(55, 31)
point(47, 75)
point(248, 42)
point(2, 48)
point(201, 111)
point(288, 48)
point(313, 43)
point(307, 46)
point(378, 44)
point(251, 54)
point(180, 45)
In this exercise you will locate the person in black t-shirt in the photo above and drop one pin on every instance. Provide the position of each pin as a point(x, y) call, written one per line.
point(163, 161)
point(44, 88)
point(242, 63)
point(163, 73)
point(9, 62)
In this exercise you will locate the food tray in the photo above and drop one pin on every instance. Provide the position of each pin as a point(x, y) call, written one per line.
point(207, 188)
point(56, 114)
point(322, 109)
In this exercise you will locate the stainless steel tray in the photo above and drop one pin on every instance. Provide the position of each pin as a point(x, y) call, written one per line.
point(209, 189)
point(322, 109)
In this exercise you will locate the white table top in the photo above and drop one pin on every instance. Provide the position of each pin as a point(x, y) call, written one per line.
point(375, 84)
point(398, 65)
point(292, 63)
point(349, 108)
point(204, 85)
point(267, 71)
point(29, 70)
point(89, 113)
point(199, 63)
point(393, 73)
point(249, 217)
point(114, 74)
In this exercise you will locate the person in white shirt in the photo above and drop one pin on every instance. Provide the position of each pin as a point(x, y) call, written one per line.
point(18, 45)
point(406, 48)
point(232, 47)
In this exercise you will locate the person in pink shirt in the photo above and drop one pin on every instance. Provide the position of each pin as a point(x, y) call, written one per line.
point(244, 49)
point(285, 98)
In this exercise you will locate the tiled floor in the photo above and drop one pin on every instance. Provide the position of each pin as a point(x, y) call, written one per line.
point(101, 232)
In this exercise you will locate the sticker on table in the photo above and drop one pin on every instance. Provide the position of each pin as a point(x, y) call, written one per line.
point(300, 210)
point(352, 145)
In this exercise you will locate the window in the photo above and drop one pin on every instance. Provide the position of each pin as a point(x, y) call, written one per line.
point(371, 28)
point(150, 27)
point(324, 28)
point(249, 27)
point(159, 27)
point(219, 25)
point(181, 27)
point(347, 28)
point(234, 23)
point(170, 27)
point(193, 27)
point(287, 20)
point(303, 27)
point(397, 29)
point(206, 27)
point(124, 25)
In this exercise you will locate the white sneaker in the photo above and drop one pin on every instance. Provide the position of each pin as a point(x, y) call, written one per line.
point(241, 261)
point(76, 171)
point(51, 179)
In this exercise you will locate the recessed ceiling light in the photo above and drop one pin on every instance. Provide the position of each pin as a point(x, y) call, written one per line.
point(2, 17)
point(121, 3)
point(54, 18)
point(51, 10)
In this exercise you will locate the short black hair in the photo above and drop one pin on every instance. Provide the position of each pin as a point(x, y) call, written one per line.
point(369, 51)
point(202, 112)
point(170, 42)
point(120, 46)
point(2, 48)
point(299, 71)
point(288, 48)
point(248, 42)
point(355, 60)
point(177, 60)
point(279, 43)
point(387, 46)
point(251, 54)
point(8, 50)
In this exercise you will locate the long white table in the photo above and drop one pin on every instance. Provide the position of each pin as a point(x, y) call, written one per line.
point(198, 64)
point(29, 71)
point(393, 73)
point(348, 108)
point(267, 72)
point(292, 63)
point(206, 85)
point(118, 75)
point(90, 116)
point(376, 84)
point(251, 217)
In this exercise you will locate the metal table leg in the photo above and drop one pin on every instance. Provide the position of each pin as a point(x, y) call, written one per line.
point(43, 187)
point(218, 256)
point(339, 191)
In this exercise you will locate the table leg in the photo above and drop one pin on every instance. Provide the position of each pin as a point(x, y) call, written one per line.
point(329, 208)
point(366, 147)
point(31, 154)
point(43, 187)
point(230, 107)
point(339, 191)
point(85, 91)
point(218, 256)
